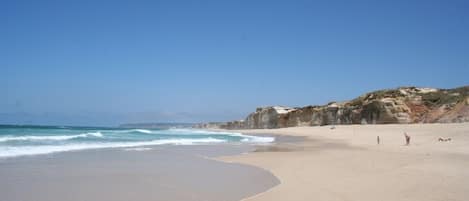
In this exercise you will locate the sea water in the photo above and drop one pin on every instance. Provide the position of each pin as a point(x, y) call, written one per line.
point(33, 140)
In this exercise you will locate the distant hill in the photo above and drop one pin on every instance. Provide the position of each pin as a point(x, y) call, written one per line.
point(403, 105)
point(156, 125)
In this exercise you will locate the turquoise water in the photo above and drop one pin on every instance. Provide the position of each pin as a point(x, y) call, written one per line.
point(33, 140)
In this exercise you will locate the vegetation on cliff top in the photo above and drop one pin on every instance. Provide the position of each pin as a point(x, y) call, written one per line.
point(445, 96)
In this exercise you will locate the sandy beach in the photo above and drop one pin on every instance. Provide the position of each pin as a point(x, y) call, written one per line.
point(346, 163)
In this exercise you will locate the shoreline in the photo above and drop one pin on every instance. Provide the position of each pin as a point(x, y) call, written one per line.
point(161, 173)
point(346, 163)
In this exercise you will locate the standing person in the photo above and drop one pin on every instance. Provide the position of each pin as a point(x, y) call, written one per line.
point(377, 139)
point(407, 138)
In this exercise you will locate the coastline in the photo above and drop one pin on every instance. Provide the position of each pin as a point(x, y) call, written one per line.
point(346, 163)
point(304, 163)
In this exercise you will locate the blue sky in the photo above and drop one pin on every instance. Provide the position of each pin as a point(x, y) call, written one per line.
point(111, 62)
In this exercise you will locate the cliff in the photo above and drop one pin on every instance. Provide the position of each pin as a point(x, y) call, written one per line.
point(399, 106)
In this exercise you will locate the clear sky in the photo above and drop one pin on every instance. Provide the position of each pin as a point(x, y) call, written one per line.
point(111, 62)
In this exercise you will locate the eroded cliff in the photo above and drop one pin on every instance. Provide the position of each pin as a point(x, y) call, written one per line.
point(401, 105)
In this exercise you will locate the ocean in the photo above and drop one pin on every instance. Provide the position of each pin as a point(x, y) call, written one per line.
point(18, 141)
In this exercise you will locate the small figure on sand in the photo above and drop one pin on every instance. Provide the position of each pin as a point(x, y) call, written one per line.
point(377, 139)
point(407, 139)
point(444, 139)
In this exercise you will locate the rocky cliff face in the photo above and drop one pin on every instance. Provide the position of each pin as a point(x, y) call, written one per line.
point(402, 105)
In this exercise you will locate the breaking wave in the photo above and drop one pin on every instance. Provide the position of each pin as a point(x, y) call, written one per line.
point(10, 151)
point(52, 137)
point(24, 140)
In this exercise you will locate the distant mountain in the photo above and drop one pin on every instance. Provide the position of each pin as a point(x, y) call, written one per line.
point(403, 105)
point(156, 125)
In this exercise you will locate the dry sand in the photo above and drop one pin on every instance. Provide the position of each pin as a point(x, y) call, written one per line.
point(346, 163)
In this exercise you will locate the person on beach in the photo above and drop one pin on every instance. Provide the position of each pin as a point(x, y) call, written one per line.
point(377, 139)
point(407, 139)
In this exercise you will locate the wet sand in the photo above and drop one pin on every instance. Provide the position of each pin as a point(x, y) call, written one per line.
point(163, 173)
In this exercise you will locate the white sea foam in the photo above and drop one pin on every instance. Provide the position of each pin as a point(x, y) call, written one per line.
point(138, 149)
point(257, 139)
point(132, 130)
point(50, 137)
point(143, 131)
point(245, 138)
point(10, 151)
